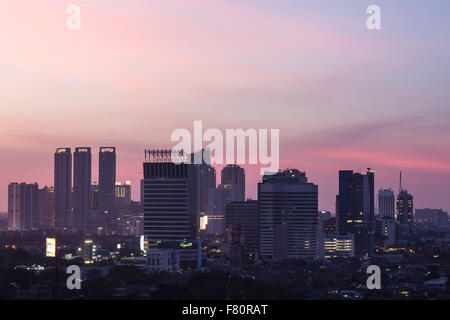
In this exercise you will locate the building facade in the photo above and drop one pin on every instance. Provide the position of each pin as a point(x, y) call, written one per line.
point(288, 214)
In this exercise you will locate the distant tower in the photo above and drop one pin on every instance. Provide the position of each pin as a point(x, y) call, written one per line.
point(107, 178)
point(386, 203)
point(82, 164)
point(233, 176)
point(404, 211)
point(63, 187)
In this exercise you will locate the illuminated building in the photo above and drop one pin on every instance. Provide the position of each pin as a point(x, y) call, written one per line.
point(404, 213)
point(107, 179)
point(88, 251)
point(82, 166)
point(288, 215)
point(63, 187)
point(123, 194)
point(355, 210)
point(341, 246)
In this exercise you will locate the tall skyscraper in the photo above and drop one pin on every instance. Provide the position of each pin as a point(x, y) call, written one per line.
point(63, 187)
point(14, 207)
point(404, 213)
point(23, 211)
point(234, 176)
point(288, 213)
point(107, 178)
point(170, 198)
point(355, 209)
point(386, 203)
point(46, 207)
point(82, 166)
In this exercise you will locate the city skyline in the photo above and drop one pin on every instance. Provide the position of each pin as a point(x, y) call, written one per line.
point(251, 190)
point(342, 96)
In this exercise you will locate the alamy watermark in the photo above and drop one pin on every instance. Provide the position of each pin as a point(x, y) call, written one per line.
point(232, 149)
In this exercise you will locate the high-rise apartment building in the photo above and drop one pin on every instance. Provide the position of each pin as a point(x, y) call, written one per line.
point(23, 213)
point(107, 179)
point(63, 188)
point(82, 166)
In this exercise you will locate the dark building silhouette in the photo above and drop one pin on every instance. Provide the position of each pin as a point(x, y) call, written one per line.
point(63, 187)
point(288, 214)
point(107, 178)
point(243, 215)
point(355, 209)
point(82, 166)
point(233, 176)
point(46, 207)
point(404, 213)
point(170, 198)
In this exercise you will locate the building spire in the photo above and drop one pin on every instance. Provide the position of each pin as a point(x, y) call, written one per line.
point(400, 187)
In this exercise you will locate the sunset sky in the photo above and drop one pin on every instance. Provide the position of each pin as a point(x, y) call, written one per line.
point(342, 96)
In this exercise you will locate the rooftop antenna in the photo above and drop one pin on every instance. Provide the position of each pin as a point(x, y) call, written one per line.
point(400, 188)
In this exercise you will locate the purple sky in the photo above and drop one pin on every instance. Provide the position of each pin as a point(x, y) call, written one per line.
point(342, 96)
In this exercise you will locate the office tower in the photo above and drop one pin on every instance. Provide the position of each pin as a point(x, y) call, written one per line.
point(23, 206)
point(244, 215)
point(234, 176)
point(404, 213)
point(46, 207)
point(82, 166)
point(355, 209)
point(386, 203)
point(123, 195)
point(170, 198)
point(288, 211)
point(107, 178)
point(63, 187)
